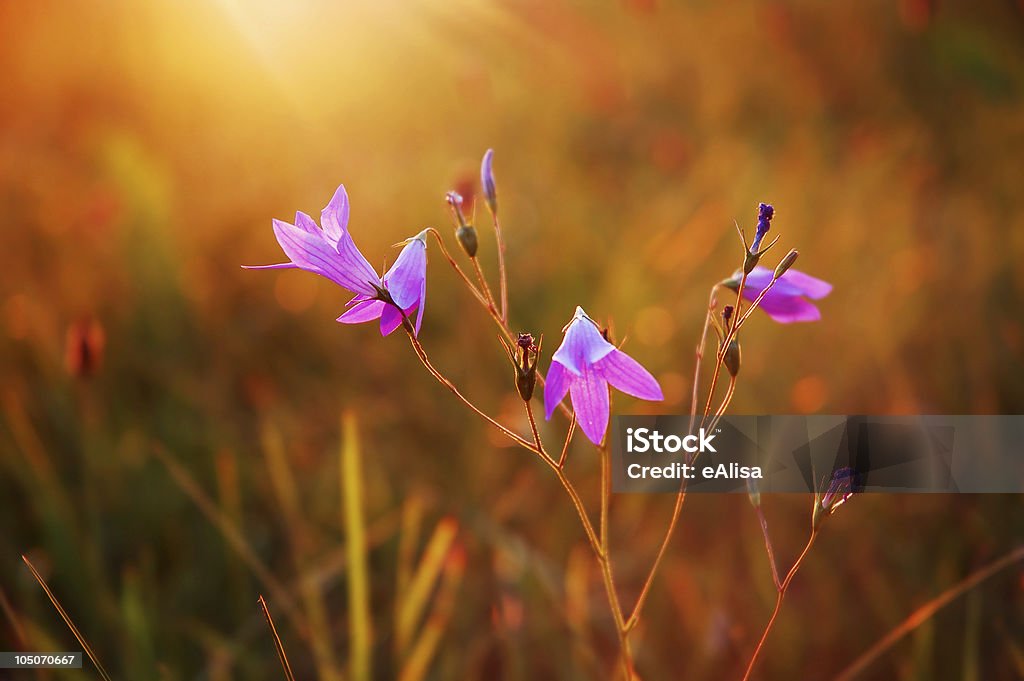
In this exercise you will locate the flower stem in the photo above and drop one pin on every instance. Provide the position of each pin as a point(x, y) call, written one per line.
point(768, 547)
point(484, 287)
point(720, 355)
point(778, 603)
point(568, 439)
point(422, 354)
point(501, 267)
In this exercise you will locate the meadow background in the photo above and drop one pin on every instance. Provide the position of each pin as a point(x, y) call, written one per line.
point(144, 148)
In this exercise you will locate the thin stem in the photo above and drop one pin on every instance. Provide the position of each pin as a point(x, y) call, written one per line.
point(712, 303)
point(455, 266)
point(422, 354)
point(768, 547)
point(634, 617)
point(278, 646)
point(67, 620)
point(501, 267)
point(726, 400)
point(483, 285)
point(536, 433)
point(568, 439)
point(926, 611)
point(570, 489)
point(778, 603)
point(729, 336)
point(502, 324)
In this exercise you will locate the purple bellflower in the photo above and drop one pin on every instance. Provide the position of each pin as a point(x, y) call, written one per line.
point(331, 253)
point(787, 301)
point(583, 366)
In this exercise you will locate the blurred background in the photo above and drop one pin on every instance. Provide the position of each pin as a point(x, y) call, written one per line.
point(171, 432)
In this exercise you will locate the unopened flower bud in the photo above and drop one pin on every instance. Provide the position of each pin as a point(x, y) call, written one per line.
point(765, 213)
point(466, 234)
point(487, 184)
point(524, 355)
point(727, 318)
point(786, 263)
point(731, 358)
point(840, 489)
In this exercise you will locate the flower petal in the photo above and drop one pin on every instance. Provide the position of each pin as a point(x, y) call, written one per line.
point(582, 345)
point(313, 253)
point(626, 374)
point(334, 217)
point(590, 402)
point(556, 385)
point(390, 319)
point(811, 287)
point(422, 304)
point(362, 311)
point(786, 309)
point(406, 278)
point(306, 223)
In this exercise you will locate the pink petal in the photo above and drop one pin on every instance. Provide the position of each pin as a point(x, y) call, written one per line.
point(362, 311)
point(590, 402)
point(390, 319)
point(334, 217)
point(626, 374)
point(556, 385)
point(786, 309)
point(312, 252)
point(406, 278)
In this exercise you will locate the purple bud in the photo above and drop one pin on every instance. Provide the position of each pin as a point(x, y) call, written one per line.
point(840, 488)
point(487, 181)
point(765, 213)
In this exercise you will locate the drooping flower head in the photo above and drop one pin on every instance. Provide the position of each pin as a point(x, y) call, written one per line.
point(330, 252)
point(405, 283)
point(583, 366)
point(787, 301)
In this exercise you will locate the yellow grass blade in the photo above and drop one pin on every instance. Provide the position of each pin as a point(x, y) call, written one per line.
point(360, 623)
point(413, 603)
point(418, 663)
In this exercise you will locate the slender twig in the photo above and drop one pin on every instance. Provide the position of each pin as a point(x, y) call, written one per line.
point(568, 439)
point(536, 433)
point(501, 268)
point(926, 611)
point(712, 303)
point(729, 336)
point(455, 266)
point(768, 546)
point(485, 288)
point(634, 617)
point(778, 603)
point(425, 361)
point(726, 400)
point(278, 646)
point(67, 620)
